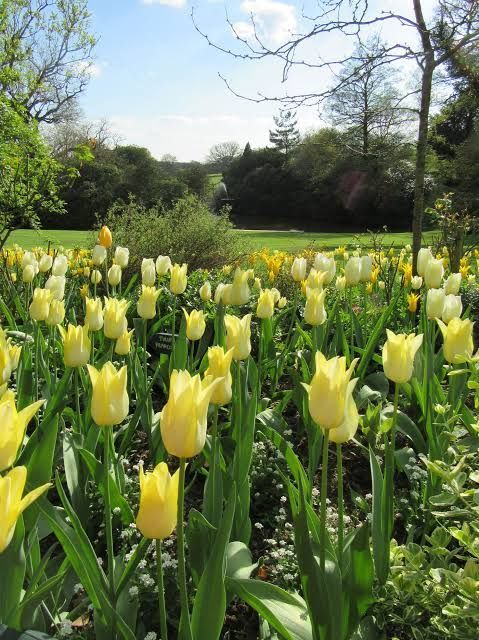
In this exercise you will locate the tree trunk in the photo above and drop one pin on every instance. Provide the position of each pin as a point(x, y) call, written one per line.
point(421, 148)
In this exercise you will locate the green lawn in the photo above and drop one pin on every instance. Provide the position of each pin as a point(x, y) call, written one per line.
point(281, 240)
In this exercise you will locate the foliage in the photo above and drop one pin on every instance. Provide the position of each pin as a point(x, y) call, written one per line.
point(286, 135)
point(28, 173)
point(187, 231)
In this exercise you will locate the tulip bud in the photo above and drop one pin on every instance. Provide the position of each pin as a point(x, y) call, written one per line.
point(95, 277)
point(178, 279)
point(148, 272)
point(366, 268)
point(104, 237)
point(123, 343)
point(146, 305)
point(13, 276)
point(109, 402)
point(205, 292)
point(28, 274)
point(14, 424)
point(298, 269)
point(398, 355)
point(40, 305)
point(314, 311)
point(60, 265)
point(29, 259)
point(219, 292)
point(13, 505)
point(114, 275)
point(416, 282)
point(158, 511)
point(56, 284)
point(382, 285)
point(86, 272)
point(452, 308)
point(352, 271)
point(183, 419)
point(341, 283)
point(265, 308)
point(315, 279)
point(412, 299)
point(423, 258)
point(434, 273)
point(330, 391)
point(453, 284)
point(14, 351)
point(98, 255)
point(195, 324)
point(56, 313)
point(238, 335)
point(282, 302)
point(45, 263)
point(458, 341)
point(163, 265)
point(94, 313)
point(435, 303)
point(6, 365)
point(76, 345)
point(257, 284)
point(114, 316)
point(122, 257)
point(219, 368)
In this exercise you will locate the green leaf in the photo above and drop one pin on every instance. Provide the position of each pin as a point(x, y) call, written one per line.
point(12, 570)
point(199, 535)
point(10, 634)
point(408, 428)
point(375, 336)
point(210, 601)
point(358, 587)
point(284, 611)
point(239, 563)
point(380, 549)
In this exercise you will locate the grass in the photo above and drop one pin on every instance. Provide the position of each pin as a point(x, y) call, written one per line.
point(273, 240)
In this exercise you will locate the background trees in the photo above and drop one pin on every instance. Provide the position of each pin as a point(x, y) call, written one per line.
point(286, 134)
point(221, 155)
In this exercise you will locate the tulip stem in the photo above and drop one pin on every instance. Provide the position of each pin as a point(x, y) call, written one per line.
point(351, 314)
point(173, 326)
point(37, 355)
point(390, 444)
point(185, 612)
point(161, 591)
point(145, 358)
point(77, 400)
point(260, 360)
point(339, 457)
point(324, 490)
point(285, 349)
point(108, 526)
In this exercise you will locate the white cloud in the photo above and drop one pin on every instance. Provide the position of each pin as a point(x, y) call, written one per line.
point(176, 4)
point(275, 21)
point(92, 69)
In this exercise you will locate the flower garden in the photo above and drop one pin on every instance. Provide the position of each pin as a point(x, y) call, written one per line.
point(281, 448)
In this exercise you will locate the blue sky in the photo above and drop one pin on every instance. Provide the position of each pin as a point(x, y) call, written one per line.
point(156, 79)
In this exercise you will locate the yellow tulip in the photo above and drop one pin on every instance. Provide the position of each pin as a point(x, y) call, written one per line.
point(14, 424)
point(109, 402)
point(195, 324)
point(240, 291)
point(12, 505)
point(314, 311)
point(219, 367)
point(238, 336)
point(316, 279)
point(341, 283)
point(14, 351)
point(56, 313)
point(434, 273)
point(6, 367)
point(76, 345)
point(98, 255)
point(352, 271)
point(348, 427)
point(412, 299)
point(114, 275)
point(95, 277)
point(178, 279)
point(298, 269)
point(282, 302)
point(458, 342)
point(94, 313)
point(163, 265)
point(105, 238)
point(123, 343)
point(40, 305)
point(122, 257)
point(183, 419)
point(146, 305)
point(114, 316)
point(398, 355)
point(148, 272)
point(205, 292)
point(158, 511)
point(330, 391)
point(28, 274)
point(265, 308)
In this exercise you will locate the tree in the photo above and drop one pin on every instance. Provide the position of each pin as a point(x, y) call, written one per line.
point(221, 155)
point(369, 104)
point(286, 135)
point(45, 54)
point(28, 174)
point(452, 29)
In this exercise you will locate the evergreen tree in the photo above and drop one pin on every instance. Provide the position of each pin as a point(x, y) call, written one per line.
point(286, 135)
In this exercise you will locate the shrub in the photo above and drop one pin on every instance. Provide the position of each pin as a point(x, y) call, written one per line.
point(187, 232)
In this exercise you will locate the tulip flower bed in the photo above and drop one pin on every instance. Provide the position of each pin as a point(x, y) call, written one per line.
point(281, 449)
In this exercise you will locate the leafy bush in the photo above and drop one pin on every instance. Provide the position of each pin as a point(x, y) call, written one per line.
point(187, 232)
